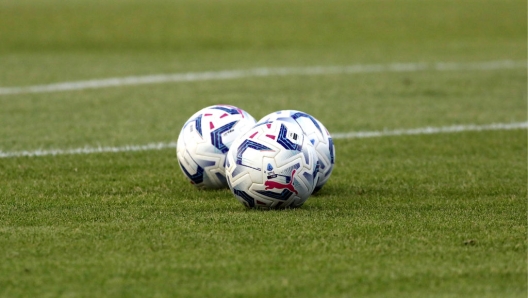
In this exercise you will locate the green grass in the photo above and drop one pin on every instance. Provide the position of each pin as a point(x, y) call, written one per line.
point(415, 215)
point(427, 215)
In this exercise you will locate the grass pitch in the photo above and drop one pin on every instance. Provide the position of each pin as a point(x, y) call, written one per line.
point(427, 215)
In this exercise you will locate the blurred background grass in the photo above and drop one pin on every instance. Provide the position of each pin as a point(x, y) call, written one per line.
point(75, 39)
point(48, 41)
point(126, 25)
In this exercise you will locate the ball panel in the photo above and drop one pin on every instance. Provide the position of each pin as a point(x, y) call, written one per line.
point(270, 166)
point(316, 133)
point(205, 140)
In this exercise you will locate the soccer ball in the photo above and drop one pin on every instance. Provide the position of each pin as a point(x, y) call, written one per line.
point(204, 141)
point(272, 166)
point(317, 134)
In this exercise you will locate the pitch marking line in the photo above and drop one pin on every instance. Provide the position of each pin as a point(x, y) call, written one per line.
point(348, 135)
point(261, 72)
point(430, 130)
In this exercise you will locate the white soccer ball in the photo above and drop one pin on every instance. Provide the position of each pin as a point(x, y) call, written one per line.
point(272, 166)
point(204, 141)
point(317, 134)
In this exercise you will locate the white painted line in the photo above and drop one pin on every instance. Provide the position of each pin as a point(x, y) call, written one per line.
point(261, 72)
point(348, 135)
point(430, 130)
point(89, 150)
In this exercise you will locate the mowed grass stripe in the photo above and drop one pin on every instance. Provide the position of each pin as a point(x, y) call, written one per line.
point(262, 72)
point(349, 135)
